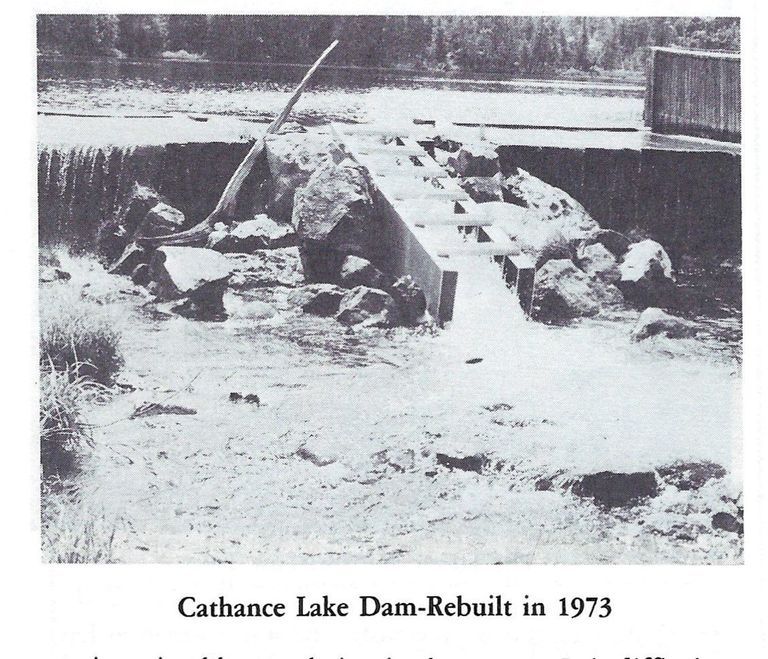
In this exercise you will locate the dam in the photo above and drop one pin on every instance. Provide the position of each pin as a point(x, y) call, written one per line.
point(682, 191)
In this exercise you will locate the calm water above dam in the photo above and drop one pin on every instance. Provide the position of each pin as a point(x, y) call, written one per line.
point(110, 86)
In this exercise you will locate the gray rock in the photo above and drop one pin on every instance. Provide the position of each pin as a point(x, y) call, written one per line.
point(410, 299)
point(479, 159)
point(598, 262)
point(292, 159)
point(552, 205)
point(356, 271)
point(612, 489)
point(727, 522)
point(541, 238)
point(563, 292)
point(201, 275)
point(251, 235)
point(474, 463)
point(119, 231)
point(333, 216)
point(484, 188)
point(654, 321)
point(368, 307)
point(646, 274)
point(266, 268)
point(141, 275)
point(161, 219)
point(690, 475)
point(616, 243)
point(133, 255)
point(317, 299)
point(179, 271)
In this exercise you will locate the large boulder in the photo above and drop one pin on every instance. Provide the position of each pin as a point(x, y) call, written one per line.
point(552, 205)
point(616, 243)
point(200, 275)
point(368, 307)
point(598, 262)
point(543, 221)
point(356, 271)
point(538, 238)
point(246, 237)
point(646, 274)
point(161, 219)
point(479, 159)
point(133, 255)
point(115, 234)
point(292, 159)
point(563, 292)
point(333, 217)
point(653, 321)
point(410, 299)
point(318, 299)
point(484, 188)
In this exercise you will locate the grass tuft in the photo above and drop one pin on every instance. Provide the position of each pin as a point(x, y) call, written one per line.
point(78, 338)
point(72, 534)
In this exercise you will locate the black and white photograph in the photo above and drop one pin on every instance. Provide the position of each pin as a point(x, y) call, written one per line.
point(390, 289)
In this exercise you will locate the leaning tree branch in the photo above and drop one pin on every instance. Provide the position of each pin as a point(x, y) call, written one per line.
point(226, 207)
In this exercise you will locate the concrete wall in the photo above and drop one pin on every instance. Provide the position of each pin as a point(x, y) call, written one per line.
point(688, 201)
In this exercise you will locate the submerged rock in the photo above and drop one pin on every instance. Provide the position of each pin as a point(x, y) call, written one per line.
point(690, 475)
point(251, 235)
point(333, 217)
point(611, 489)
point(475, 463)
point(728, 522)
point(410, 299)
point(646, 273)
point(49, 274)
point(292, 159)
point(356, 271)
point(368, 307)
point(266, 268)
point(654, 321)
point(563, 292)
point(479, 159)
point(317, 299)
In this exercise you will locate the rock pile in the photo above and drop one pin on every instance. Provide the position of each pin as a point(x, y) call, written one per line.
point(582, 269)
point(320, 209)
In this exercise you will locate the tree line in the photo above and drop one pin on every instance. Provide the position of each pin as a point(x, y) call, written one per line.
point(517, 45)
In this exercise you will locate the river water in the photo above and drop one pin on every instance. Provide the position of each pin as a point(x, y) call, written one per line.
point(110, 86)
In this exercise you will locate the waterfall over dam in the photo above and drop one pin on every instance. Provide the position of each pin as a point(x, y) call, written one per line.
point(81, 186)
point(683, 193)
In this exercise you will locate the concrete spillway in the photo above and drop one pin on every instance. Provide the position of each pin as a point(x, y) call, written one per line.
point(684, 193)
point(80, 186)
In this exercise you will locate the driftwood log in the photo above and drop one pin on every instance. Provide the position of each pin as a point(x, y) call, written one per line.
point(224, 210)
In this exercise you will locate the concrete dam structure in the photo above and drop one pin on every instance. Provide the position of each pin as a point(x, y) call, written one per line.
point(683, 192)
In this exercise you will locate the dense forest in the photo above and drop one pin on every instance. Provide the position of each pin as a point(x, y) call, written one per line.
point(519, 45)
